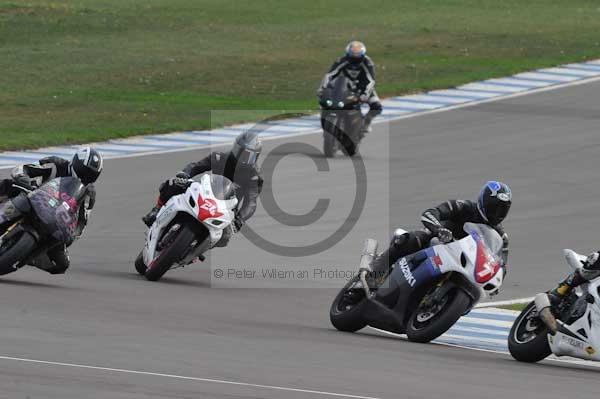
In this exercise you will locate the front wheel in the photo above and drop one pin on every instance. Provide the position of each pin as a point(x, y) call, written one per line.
point(345, 312)
point(171, 254)
point(432, 318)
point(528, 337)
point(329, 143)
point(12, 252)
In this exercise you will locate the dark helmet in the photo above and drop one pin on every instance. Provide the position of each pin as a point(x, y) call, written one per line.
point(87, 165)
point(246, 148)
point(494, 201)
point(356, 51)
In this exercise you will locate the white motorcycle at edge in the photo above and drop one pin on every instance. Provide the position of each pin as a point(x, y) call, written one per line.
point(188, 225)
point(572, 329)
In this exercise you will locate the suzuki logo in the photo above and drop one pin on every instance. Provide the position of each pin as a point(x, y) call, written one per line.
point(410, 279)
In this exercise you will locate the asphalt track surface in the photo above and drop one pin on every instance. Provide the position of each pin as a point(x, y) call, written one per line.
point(103, 314)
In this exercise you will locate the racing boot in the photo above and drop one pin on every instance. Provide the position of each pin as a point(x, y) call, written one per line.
point(151, 216)
point(564, 288)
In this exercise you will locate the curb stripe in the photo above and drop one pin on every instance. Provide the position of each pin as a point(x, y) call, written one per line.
point(394, 108)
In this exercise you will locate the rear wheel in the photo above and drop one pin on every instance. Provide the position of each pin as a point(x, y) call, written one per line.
point(432, 318)
point(170, 254)
point(528, 337)
point(140, 266)
point(13, 251)
point(345, 312)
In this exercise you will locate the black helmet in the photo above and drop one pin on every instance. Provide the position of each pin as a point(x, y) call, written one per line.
point(494, 201)
point(356, 51)
point(87, 165)
point(246, 148)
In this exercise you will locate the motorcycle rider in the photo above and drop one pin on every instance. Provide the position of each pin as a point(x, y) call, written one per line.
point(589, 271)
point(358, 66)
point(86, 165)
point(446, 223)
point(238, 165)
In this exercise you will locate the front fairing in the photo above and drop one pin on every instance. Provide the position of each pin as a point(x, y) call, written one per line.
point(56, 205)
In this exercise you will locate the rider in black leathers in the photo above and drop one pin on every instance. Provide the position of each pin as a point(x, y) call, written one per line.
point(359, 67)
point(239, 165)
point(86, 164)
point(446, 222)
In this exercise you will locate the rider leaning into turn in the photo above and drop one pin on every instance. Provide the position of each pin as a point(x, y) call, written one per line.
point(589, 271)
point(86, 165)
point(238, 165)
point(359, 67)
point(446, 223)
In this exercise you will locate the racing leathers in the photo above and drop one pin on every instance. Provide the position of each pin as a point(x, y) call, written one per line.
point(445, 222)
point(31, 176)
point(363, 73)
point(589, 271)
point(247, 179)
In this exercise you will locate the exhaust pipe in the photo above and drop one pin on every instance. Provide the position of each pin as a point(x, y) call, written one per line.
point(542, 303)
point(368, 254)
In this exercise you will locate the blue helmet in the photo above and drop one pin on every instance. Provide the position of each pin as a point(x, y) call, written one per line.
point(494, 202)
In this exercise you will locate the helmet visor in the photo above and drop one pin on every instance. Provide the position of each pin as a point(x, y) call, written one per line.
point(248, 157)
point(498, 211)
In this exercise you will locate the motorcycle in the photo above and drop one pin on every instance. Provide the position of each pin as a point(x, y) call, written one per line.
point(570, 329)
point(187, 226)
point(38, 220)
point(425, 293)
point(341, 116)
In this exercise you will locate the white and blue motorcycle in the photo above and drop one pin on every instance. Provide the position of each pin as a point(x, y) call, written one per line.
point(572, 328)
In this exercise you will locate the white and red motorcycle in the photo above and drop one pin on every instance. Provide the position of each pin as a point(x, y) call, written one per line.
point(572, 328)
point(427, 292)
point(188, 225)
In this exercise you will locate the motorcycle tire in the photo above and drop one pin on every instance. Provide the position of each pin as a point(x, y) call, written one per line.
point(140, 266)
point(13, 252)
point(535, 347)
point(344, 318)
point(171, 254)
point(329, 142)
point(457, 304)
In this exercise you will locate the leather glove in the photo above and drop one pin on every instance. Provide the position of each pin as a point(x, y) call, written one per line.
point(591, 263)
point(238, 222)
point(181, 179)
point(444, 235)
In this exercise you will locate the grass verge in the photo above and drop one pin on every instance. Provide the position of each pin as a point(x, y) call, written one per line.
point(88, 70)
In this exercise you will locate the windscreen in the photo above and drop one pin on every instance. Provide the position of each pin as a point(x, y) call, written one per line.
point(488, 235)
point(56, 205)
point(222, 187)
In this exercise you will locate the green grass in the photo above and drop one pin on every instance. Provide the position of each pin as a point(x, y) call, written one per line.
point(83, 70)
point(516, 306)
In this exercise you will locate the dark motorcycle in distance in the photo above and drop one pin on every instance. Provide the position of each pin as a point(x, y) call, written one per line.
point(33, 223)
point(341, 116)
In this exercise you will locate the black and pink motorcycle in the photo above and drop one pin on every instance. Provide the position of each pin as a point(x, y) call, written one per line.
point(36, 221)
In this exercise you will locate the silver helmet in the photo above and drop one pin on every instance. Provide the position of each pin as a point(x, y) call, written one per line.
point(246, 148)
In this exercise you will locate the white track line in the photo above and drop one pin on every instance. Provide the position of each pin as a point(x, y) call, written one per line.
point(181, 377)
